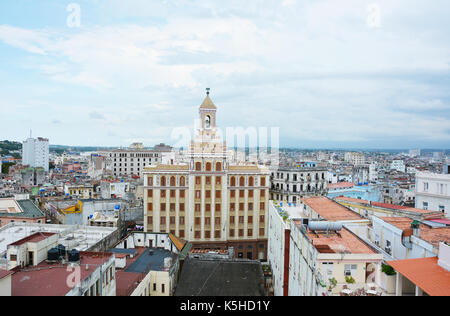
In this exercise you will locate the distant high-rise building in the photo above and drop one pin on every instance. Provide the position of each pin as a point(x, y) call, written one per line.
point(35, 152)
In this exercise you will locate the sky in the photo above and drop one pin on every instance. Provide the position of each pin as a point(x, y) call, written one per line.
point(327, 73)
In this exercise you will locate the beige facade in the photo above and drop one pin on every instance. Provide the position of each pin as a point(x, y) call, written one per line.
point(209, 201)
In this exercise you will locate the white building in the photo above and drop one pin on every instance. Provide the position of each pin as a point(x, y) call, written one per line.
point(433, 192)
point(414, 152)
point(398, 165)
point(133, 160)
point(35, 152)
point(357, 159)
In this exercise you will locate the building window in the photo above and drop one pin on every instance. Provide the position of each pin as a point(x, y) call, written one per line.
point(163, 193)
point(241, 181)
point(350, 269)
point(208, 166)
point(181, 220)
point(182, 181)
point(218, 194)
point(150, 193)
point(198, 166)
point(218, 166)
point(208, 180)
point(231, 219)
point(425, 205)
point(231, 232)
point(181, 193)
point(233, 181)
point(442, 208)
point(261, 232)
point(163, 220)
point(181, 207)
point(172, 181)
point(163, 207)
point(163, 181)
point(150, 207)
point(250, 193)
point(250, 181)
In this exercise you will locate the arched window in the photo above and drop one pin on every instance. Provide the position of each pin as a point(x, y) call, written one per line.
point(182, 181)
point(250, 181)
point(207, 121)
point(233, 181)
point(198, 166)
point(218, 166)
point(163, 181)
point(242, 181)
point(172, 181)
point(208, 166)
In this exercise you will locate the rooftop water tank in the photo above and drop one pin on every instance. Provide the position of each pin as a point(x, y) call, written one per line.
point(53, 254)
point(74, 255)
point(323, 225)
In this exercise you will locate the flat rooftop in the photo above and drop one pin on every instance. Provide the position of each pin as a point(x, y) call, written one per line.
point(330, 210)
point(220, 278)
point(430, 235)
point(50, 279)
point(338, 242)
point(384, 205)
point(425, 273)
point(36, 237)
point(71, 236)
point(9, 207)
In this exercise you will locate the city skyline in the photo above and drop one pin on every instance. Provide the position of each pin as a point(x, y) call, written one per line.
point(322, 72)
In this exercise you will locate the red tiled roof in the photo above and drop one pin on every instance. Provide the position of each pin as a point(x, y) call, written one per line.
point(329, 209)
point(126, 282)
point(426, 274)
point(384, 205)
point(430, 235)
point(4, 273)
point(36, 237)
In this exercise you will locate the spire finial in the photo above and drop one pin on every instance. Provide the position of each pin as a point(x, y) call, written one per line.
point(207, 91)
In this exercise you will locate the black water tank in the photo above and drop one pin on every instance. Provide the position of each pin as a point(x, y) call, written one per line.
point(61, 250)
point(74, 255)
point(53, 254)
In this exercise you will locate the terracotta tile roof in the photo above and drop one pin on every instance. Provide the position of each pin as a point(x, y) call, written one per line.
point(340, 185)
point(430, 235)
point(127, 282)
point(330, 210)
point(426, 274)
point(344, 241)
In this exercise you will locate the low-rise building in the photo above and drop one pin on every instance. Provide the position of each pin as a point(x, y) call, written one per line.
point(367, 209)
point(290, 184)
point(433, 192)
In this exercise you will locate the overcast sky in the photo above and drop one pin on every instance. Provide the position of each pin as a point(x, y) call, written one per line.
point(348, 73)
